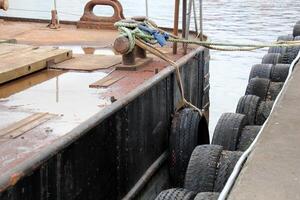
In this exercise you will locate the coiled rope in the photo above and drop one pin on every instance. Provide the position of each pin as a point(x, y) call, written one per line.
point(145, 40)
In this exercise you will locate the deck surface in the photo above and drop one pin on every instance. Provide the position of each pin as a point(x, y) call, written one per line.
point(272, 171)
point(72, 95)
point(39, 34)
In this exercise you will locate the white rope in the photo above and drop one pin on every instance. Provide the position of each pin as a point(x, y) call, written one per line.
point(246, 154)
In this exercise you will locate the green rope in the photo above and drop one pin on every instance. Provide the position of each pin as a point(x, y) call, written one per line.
point(131, 30)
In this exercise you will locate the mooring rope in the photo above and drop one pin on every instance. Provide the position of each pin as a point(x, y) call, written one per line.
point(146, 33)
point(132, 27)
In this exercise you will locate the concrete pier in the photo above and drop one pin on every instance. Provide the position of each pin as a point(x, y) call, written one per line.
point(272, 172)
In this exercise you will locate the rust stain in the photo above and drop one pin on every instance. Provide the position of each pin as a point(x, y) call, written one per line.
point(14, 179)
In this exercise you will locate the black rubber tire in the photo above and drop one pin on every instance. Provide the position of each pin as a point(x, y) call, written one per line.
point(280, 50)
point(261, 71)
point(227, 162)
point(228, 130)
point(280, 72)
point(202, 169)
point(187, 132)
point(248, 106)
point(274, 89)
point(296, 30)
point(258, 87)
point(286, 58)
point(294, 52)
point(207, 196)
point(288, 37)
point(272, 58)
point(176, 194)
point(290, 55)
point(263, 112)
point(248, 135)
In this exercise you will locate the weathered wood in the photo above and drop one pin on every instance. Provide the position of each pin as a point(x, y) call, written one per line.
point(19, 128)
point(8, 41)
point(106, 82)
point(6, 48)
point(23, 60)
point(89, 62)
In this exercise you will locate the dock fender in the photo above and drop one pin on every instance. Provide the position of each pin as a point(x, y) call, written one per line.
point(228, 130)
point(188, 130)
point(202, 169)
point(272, 58)
point(288, 37)
point(247, 137)
point(207, 196)
point(176, 193)
point(280, 72)
point(263, 112)
point(296, 30)
point(227, 162)
point(258, 87)
point(261, 71)
point(248, 106)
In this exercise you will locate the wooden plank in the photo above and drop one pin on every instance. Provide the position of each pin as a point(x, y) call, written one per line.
point(29, 81)
point(89, 62)
point(8, 41)
point(106, 82)
point(15, 65)
point(6, 49)
point(19, 128)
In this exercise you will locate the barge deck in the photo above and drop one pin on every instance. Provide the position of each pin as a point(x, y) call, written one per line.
point(86, 141)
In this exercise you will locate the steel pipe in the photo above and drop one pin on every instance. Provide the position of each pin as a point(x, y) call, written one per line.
point(184, 10)
point(201, 20)
point(176, 19)
point(151, 171)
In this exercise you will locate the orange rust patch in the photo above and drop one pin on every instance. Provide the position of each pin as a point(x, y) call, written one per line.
point(15, 178)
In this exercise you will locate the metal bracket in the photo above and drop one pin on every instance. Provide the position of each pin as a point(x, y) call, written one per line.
point(90, 20)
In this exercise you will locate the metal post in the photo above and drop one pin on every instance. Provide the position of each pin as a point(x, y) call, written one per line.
point(176, 19)
point(201, 20)
point(147, 8)
point(195, 18)
point(188, 22)
point(54, 24)
point(184, 2)
point(55, 8)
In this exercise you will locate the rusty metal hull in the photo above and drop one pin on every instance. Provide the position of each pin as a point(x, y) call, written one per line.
point(106, 155)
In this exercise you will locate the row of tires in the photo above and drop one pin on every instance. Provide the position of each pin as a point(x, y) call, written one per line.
point(237, 131)
point(200, 171)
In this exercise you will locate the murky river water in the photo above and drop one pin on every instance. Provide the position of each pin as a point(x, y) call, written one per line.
point(224, 20)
